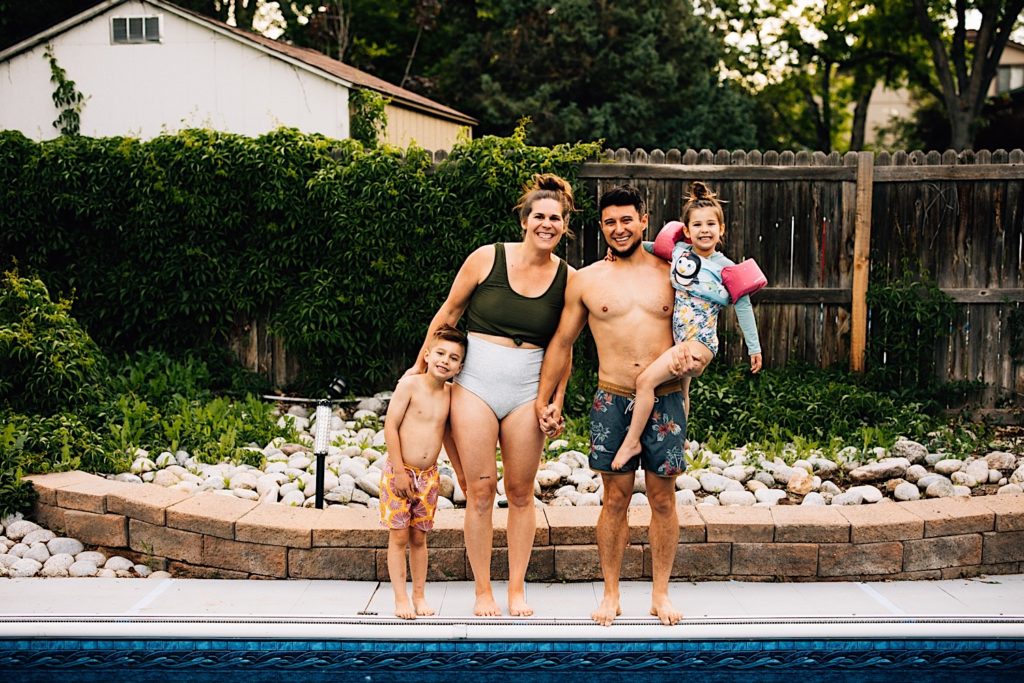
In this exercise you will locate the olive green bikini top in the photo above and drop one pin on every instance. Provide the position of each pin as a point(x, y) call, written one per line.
point(495, 308)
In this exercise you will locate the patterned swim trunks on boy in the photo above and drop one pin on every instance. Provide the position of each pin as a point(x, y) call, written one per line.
point(663, 436)
point(418, 511)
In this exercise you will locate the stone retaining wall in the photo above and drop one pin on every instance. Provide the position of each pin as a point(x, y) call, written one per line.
point(215, 536)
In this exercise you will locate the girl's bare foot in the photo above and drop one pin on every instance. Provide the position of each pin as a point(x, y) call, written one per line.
point(486, 606)
point(422, 608)
point(404, 608)
point(625, 453)
point(517, 606)
point(666, 613)
point(606, 612)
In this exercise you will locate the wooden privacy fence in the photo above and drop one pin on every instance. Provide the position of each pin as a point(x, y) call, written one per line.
point(819, 223)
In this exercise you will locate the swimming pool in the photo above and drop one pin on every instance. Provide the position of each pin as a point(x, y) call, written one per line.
point(566, 651)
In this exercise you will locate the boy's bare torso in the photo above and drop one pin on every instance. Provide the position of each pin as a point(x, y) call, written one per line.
point(422, 428)
point(629, 306)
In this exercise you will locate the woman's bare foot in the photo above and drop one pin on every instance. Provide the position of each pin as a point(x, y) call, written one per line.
point(625, 453)
point(404, 608)
point(666, 613)
point(517, 606)
point(422, 608)
point(606, 612)
point(486, 606)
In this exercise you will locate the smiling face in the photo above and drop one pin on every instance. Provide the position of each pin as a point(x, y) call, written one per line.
point(623, 229)
point(704, 229)
point(544, 225)
point(444, 359)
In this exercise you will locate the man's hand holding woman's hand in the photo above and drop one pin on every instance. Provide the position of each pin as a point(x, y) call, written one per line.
point(549, 417)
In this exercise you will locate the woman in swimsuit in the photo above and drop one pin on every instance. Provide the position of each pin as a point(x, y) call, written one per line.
point(512, 296)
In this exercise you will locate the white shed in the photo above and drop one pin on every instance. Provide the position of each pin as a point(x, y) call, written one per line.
point(148, 67)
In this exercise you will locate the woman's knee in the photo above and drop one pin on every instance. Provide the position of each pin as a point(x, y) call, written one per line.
point(480, 493)
point(519, 496)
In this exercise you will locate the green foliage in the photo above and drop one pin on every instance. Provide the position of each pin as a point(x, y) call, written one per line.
point(368, 116)
point(15, 495)
point(908, 313)
point(797, 401)
point(176, 243)
point(47, 361)
point(637, 74)
point(66, 98)
point(223, 429)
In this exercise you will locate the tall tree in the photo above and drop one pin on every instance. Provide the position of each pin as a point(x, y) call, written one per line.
point(813, 62)
point(639, 74)
point(964, 66)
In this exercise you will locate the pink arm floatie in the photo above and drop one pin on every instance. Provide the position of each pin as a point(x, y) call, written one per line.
point(667, 238)
point(743, 278)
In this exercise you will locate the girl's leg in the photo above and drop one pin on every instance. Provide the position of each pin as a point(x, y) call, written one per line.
point(654, 374)
point(398, 539)
point(521, 446)
point(475, 429)
point(418, 569)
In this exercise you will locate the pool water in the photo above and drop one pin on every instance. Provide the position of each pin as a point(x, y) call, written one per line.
point(256, 661)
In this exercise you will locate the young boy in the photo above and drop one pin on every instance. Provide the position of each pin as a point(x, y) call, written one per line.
point(413, 430)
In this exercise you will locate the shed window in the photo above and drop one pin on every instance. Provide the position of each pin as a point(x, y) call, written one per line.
point(135, 29)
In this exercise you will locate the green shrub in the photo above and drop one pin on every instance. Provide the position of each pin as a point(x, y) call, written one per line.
point(15, 495)
point(176, 243)
point(47, 361)
point(222, 429)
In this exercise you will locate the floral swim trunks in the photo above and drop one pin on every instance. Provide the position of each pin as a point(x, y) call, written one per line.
point(663, 437)
point(418, 511)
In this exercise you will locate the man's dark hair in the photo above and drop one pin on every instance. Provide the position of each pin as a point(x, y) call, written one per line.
point(623, 195)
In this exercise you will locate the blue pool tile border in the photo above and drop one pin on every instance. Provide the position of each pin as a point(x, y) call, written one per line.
point(19, 655)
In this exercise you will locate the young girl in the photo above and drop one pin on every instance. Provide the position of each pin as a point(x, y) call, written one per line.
point(696, 275)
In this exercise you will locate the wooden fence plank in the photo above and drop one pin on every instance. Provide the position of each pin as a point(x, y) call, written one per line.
point(861, 261)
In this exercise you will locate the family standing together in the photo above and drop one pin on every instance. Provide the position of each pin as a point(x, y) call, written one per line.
point(653, 322)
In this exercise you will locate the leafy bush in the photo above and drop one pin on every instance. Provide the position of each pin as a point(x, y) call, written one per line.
point(222, 429)
point(15, 495)
point(908, 313)
point(47, 361)
point(176, 243)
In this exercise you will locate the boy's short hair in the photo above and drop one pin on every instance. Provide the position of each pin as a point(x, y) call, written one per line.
point(452, 334)
point(623, 195)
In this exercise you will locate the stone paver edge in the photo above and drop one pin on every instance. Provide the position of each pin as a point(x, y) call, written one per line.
point(786, 540)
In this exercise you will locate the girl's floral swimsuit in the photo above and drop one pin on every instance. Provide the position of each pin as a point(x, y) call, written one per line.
point(700, 295)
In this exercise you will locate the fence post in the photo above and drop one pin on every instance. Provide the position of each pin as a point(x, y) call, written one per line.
point(861, 260)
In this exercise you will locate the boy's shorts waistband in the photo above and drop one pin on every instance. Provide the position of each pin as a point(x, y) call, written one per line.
point(665, 389)
point(414, 469)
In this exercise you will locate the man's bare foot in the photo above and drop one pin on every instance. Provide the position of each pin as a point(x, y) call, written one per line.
point(422, 608)
point(606, 612)
point(625, 453)
point(666, 613)
point(486, 606)
point(517, 606)
point(404, 608)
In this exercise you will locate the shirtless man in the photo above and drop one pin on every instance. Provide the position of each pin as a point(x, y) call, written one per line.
point(627, 301)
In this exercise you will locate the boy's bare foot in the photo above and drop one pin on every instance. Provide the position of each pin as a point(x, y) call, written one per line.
point(517, 606)
point(666, 613)
point(422, 608)
point(404, 608)
point(625, 453)
point(486, 606)
point(606, 612)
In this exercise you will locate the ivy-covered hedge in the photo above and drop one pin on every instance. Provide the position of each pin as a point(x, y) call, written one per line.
point(173, 243)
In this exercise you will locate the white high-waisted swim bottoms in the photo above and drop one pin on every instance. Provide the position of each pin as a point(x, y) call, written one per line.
point(504, 378)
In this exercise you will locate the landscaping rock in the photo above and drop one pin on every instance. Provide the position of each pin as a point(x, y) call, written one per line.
point(889, 468)
point(744, 498)
point(948, 466)
point(939, 489)
point(907, 491)
point(70, 546)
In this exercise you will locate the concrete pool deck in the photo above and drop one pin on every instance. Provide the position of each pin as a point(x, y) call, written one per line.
point(988, 607)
